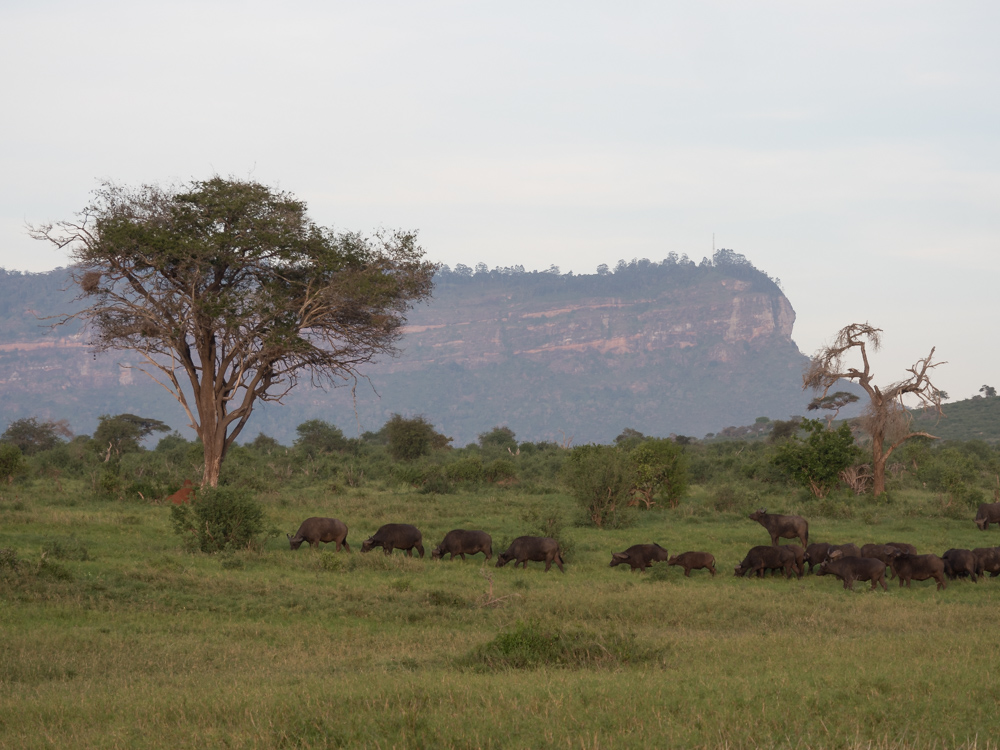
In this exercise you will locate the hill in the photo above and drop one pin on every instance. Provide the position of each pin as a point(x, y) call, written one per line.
point(669, 347)
point(972, 419)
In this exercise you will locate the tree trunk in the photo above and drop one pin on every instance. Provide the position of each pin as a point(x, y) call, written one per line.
point(878, 465)
point(213, 460)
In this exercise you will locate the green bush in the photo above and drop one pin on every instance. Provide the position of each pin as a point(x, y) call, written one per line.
point(529, 645)
point(468, 469)
point(600, 477)
point(498, 470)
point(11, 462)
point(220, 518)
point(65, 548)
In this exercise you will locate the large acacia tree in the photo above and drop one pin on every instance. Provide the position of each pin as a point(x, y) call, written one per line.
point(232, 295)
point(885, 418)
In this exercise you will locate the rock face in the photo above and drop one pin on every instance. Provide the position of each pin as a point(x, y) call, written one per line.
point(671, 348)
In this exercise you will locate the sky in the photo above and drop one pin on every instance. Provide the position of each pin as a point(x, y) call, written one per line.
point(850, 149)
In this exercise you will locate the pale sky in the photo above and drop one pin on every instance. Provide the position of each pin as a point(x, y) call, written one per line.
point(851, 149)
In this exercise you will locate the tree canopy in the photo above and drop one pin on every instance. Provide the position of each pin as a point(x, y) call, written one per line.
point(232, 294)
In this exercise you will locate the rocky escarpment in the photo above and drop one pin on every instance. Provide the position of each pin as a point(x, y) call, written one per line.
point(661, 348)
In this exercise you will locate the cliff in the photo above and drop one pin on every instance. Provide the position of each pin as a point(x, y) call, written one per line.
point(662, 348)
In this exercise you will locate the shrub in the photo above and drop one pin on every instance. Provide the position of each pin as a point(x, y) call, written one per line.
point(412, 438)
point(469, 469)
point(600, 477)
point(529, 645)
point(500, 469)
point(11, 462)
point(817, 461)
point(660, 468)
point(66, 548)
point(220, 518)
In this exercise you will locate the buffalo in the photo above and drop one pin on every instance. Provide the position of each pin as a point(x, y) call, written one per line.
point(639, 556)
point(843, 550)
point(315, 530)
point(920, 567)
point(395, 536)
point(987, 561)
point(988, 513)
point(800, 557)
point(959, 562)
point(815, 554)
point(783, 527)
point(763, 558)
point(903, 547)
point(534, 548)
point(880, 552)
point(851, 569)
point(694, 561)
point(461, 542)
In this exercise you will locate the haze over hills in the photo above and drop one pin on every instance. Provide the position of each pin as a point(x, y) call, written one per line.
point(663, 348)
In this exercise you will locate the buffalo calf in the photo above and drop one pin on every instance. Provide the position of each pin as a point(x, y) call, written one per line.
point(694, 561)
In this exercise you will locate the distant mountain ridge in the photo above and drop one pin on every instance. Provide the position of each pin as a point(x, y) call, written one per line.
point(672, 347)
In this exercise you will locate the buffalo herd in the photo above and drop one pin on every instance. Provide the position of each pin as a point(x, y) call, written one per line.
point(871, 562)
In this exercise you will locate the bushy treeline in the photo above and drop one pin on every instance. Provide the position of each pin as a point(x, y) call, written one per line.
point(612, 482)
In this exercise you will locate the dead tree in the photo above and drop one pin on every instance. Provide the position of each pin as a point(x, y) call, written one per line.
point(885, 418)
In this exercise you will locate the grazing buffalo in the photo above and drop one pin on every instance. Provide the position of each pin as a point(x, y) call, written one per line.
point(851, 569)
point(920, 567)
point(315, 530)
point(960, 562)
point(762, 558)
point(694, 561)
point(903, 547)
point(988, 513)
point(534, 548)
point(987, 561)
point(639, 556)
point(395, 536)
point(782, 527)
point(815, 554)
point(461, 542)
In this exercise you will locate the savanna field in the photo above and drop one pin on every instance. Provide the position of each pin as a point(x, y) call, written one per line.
point(117, 633)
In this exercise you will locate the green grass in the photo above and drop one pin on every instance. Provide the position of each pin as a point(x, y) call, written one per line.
point(113, 637)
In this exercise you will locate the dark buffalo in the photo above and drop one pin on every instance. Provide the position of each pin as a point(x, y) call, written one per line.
point(920, 567)
point(694, 561)
point(903, 547)
point(315, 530)
point(960, 562)
point(843, 550)
point(639, 556)
point(461, 542)
point(987, 561)
point(762, 558)
point(879, 552)
point(534, 548)
point(800, 558)
point(815, 554)
point(851, 569)
point(395, 536)
point(782, 527)
point(988, 513)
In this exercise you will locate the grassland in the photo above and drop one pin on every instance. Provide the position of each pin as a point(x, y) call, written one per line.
point(114, 637)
